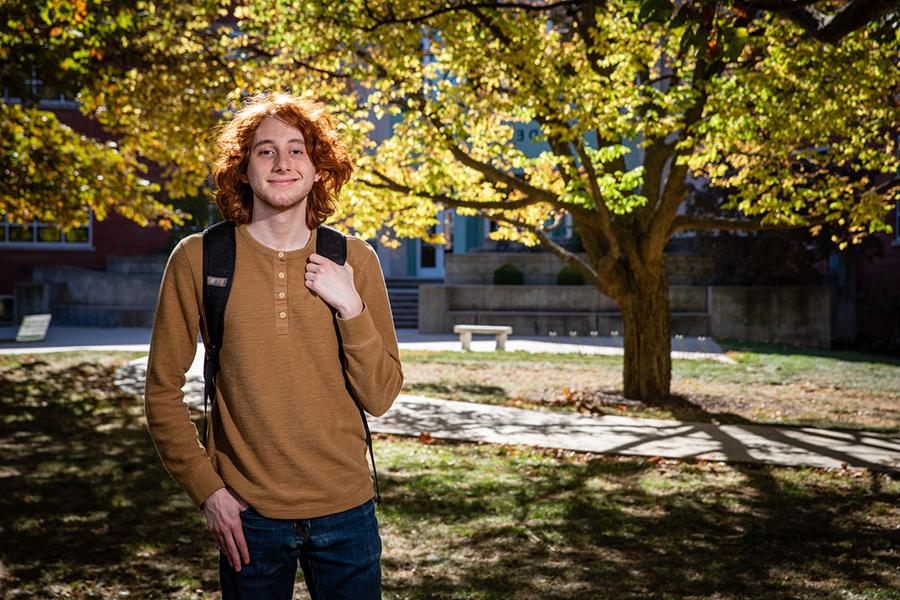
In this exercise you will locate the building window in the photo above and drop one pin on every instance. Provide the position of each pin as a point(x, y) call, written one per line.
point(565, 229)
point(564, 232)
point(44, 235)
point(49, 96)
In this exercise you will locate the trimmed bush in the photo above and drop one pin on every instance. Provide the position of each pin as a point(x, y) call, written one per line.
point(569, 276)
point(508, 274)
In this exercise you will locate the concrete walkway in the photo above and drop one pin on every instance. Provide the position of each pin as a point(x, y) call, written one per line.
point(137, 339)
point(444, 419)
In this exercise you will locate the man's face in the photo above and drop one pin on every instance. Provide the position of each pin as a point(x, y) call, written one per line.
point(279, 171)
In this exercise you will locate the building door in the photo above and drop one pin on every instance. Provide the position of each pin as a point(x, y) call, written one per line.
point(430, 257)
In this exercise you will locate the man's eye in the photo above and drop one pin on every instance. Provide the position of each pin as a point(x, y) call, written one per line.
point(261, 152)
point(297, 151)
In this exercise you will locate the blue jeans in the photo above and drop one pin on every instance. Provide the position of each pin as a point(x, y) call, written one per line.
point(340, 555)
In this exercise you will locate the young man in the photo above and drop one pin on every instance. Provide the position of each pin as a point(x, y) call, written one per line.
point(284, 474)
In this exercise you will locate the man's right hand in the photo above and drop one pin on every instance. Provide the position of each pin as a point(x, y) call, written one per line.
point(223, 519)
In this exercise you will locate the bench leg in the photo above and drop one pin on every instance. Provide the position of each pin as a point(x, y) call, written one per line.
point(501, 342)
point(466, 338)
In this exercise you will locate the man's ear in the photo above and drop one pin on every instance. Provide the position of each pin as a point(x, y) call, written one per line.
point(318, 175)
point(243, 177)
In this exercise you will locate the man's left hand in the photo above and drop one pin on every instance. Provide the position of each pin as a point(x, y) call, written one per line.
point(334, 284)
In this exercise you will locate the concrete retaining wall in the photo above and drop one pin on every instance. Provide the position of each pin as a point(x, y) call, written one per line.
point(152, 264)
point(794, 315)
point(541, 268)
point(87, 286)
point(553, 298)
point(36, 298)
point(790, 315)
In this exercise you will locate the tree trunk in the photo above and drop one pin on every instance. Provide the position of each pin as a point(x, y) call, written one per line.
point(648, 344)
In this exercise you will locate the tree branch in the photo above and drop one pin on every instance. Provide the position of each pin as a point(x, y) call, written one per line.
point(702, 223)
point(883, 187)
point(673, 191)
point(382, 21)
point(493, 174)
point(586, 24)
point(830, 29)
point(395, 186)
point(603, 216)
point(570, 258)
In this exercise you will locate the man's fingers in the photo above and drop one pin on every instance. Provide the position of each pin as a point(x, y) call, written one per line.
point(231, 552)
point(242, 545)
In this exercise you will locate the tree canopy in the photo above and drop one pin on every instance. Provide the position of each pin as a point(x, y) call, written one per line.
point(790, 108)
point(50, 172)
point(745, 94)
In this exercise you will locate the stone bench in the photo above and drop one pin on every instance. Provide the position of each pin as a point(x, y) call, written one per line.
point(500, 332)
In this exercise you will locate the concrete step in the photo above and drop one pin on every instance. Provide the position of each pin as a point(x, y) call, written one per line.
point(403, 294)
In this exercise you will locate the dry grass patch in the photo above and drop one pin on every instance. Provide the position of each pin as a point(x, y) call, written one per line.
point(767, 385)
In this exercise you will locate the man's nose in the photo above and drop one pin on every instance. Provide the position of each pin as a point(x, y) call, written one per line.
point(281, 162)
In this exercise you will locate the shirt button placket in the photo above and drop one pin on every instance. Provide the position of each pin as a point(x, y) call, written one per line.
point(281, 308)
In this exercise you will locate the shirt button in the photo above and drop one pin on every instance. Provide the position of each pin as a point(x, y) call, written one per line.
point(281, 275)
point(282, 314)
point(281, 294)
point(281, 255)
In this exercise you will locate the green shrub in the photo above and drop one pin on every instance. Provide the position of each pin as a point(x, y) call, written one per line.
point(569, 276)
point(508, 274)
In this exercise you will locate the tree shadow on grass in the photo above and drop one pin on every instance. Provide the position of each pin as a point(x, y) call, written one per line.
point(763, 538)
point(785, 349)
point(685, 409)
point(88, 508)
point(86, 503)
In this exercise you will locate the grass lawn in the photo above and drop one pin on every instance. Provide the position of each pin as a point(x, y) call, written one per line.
point(87, 511)
point(768, 384)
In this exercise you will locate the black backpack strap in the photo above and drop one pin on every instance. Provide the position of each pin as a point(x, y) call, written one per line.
point(219, 252)
point(332, 244)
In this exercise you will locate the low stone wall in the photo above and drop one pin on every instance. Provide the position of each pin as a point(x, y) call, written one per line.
point(793, 315)
point(87, 286)
point(37, 298)
point(789, 315)
point(541, 268)
point(554, 298)
point(139, 264)
point(90, 298)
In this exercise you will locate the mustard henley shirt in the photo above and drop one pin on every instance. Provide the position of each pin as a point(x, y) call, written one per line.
point(285, 432)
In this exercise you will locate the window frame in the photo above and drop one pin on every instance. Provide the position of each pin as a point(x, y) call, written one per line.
point(896, 241)
point(36, 244)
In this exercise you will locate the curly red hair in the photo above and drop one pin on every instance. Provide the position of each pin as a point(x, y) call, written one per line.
point(234, 197)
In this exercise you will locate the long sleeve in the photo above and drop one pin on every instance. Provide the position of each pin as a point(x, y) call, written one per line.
point(369, 339)
point(173, 345)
